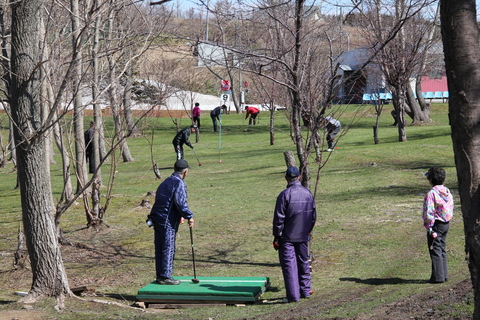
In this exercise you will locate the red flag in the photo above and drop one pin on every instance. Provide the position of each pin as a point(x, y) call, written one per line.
point(225, 85)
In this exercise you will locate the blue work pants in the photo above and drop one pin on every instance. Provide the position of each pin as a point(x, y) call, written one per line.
point(164, 251)
point(293, 258)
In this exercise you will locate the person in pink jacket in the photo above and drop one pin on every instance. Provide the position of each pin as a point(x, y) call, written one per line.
point(437, 212)
point(196, 115)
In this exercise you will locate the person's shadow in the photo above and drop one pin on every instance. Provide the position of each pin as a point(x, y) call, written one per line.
point(383, 281)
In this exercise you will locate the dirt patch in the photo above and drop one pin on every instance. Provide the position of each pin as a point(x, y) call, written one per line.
point(439, 304)
point(20, 315)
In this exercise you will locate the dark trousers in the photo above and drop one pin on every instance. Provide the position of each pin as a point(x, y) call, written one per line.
point(293, 258)
point(196, 121)
point(179, 150)
point(253, 118)
point(90, 160)
point(331, 137)
point(438, 253)
point(214, 121)
point(164, 251)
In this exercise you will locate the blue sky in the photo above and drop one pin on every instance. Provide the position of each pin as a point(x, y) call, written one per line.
point(332, 6)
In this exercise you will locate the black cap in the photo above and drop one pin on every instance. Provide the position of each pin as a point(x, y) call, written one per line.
point(193, 126)
point(180, 165)
point(292, 172)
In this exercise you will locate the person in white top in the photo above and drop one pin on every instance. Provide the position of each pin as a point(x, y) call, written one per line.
point(333, 127)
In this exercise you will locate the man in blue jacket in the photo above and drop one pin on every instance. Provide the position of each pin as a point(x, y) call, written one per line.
point(215, 115)
point(293, 220)
point(170, 206)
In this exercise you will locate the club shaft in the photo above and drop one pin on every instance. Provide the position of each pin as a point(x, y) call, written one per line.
point(193, 254)
point(195, 153)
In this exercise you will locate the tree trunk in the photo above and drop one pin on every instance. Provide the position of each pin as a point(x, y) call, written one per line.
point(49, 276)
point(127, 103)
point(398, 99)
point(296, 99)
point(3, 156)
point(98, 141)
point(67, 193)
point(461, 36)
point(418, 79)
point(117, 119)
point(418, 91)
point(11, 143)
point(419, 115)
point(4, 63)
point(78, 112)
point(45, 102)
point(272, 123)
point(289, 159)
point(378, 113)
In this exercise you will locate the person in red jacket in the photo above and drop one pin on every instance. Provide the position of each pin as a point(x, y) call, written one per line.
point(253, 112)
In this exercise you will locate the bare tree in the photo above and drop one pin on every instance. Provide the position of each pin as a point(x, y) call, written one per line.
point(272, 94)
point(35, 108)
point(114, 83)
point(433, 38)
point(397, 32)
point(78, 109)
point(460, 34)
point(278, 42)
point(99, 149)
point(49, 276)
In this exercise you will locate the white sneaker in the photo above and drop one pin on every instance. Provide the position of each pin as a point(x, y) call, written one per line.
point(329, 150)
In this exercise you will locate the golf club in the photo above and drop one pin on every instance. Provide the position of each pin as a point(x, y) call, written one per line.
point(195, 153)
point(194, 280)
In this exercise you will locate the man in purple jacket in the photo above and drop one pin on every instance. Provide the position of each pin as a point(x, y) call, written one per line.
point(294, 217)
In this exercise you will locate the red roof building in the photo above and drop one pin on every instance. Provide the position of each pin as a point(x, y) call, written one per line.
point(433, 85)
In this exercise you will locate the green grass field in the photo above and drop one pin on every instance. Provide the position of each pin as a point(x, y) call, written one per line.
point(369, 242)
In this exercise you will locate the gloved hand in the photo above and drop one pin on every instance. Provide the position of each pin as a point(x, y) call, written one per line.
point(191, 147)
point(149, 222)
point(276, 245)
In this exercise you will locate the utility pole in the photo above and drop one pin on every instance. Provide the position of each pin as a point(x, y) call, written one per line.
point(206, 19)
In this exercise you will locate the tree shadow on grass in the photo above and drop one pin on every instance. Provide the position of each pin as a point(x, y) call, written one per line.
point(383, 281)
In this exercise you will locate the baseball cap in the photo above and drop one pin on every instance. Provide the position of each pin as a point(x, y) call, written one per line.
point(292, 172)
point(193, 126)
point(180, 165)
